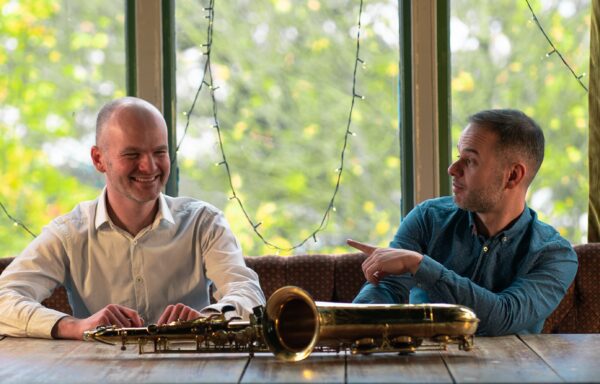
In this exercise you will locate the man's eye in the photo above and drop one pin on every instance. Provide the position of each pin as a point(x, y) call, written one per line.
point(131, 155)
point(465, 160)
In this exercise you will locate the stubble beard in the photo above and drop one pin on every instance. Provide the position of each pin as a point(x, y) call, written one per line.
point(481, 200)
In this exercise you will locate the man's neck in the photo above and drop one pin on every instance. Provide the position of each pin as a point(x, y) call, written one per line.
point(132, 216)
point(489, 224)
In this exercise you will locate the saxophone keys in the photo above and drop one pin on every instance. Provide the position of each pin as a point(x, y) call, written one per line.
point(445, 339)
point(466, 343)
point(405, 344)
point(219, 338)
point(365, 346)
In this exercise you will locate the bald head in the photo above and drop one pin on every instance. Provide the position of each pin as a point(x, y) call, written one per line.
point(125, 104)
point(133, 153)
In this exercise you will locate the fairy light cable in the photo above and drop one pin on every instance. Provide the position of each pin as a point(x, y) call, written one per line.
point(554, 49)
point(207, 80)
point(15, 221)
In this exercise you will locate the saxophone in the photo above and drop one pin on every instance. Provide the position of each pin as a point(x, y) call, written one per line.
point(292, 325)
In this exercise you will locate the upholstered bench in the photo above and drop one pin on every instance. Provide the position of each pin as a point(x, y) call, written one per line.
point(339, 278)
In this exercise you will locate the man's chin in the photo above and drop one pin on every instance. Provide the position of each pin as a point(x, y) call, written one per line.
point(458, 201)
point(145, 196)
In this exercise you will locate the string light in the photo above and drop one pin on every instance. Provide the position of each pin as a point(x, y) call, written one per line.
point(16, 222)
point(554, 49)
point(207, 45)
point(207, 80)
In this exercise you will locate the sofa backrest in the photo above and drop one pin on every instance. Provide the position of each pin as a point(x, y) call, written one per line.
point(326, 277)
point(579, 310)
point(338, 278)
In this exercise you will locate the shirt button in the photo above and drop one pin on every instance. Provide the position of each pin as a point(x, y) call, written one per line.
point(504, 239)
point(485, 248)
point(138, 279)
point(134, 242)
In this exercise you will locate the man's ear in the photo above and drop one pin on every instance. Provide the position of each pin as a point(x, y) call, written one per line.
point(516, 175)
point(97, 159)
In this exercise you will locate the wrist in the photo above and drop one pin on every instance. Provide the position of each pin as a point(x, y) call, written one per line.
point(416, 263)
point(66, 328)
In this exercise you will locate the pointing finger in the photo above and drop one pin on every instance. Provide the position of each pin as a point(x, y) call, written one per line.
point(366, 248)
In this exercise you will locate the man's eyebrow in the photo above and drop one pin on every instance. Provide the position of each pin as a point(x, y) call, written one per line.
point(469, 150)
point(137, 149)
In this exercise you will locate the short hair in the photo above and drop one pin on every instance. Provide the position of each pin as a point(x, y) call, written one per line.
point(516, 132)
point(107, 111)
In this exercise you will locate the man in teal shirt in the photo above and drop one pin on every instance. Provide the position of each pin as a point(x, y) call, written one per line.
point(483, 247)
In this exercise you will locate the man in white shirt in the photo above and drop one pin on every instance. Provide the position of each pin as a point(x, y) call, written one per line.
point(133, 255)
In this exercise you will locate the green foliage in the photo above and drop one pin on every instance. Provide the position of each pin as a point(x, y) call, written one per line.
point(526, 78)
point(60, 61)
point(284, 71)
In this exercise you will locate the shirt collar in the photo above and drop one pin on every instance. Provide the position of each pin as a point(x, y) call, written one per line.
point(164, 213)
point(518, 226)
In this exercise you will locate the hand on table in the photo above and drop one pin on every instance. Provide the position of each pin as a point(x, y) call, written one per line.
point(381, 262)
point(178, 312)
point(113, 314)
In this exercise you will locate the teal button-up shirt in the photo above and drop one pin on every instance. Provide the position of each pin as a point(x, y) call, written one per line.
point(513, 281)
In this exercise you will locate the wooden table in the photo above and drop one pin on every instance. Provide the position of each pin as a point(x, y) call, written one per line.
point(518, 359)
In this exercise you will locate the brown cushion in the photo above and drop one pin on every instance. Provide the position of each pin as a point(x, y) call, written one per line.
point(558, 317)
point(58, 300)
point(314, 273)
point(349, 277)
point(579, 311)
point(588, 289)
point(271, 272)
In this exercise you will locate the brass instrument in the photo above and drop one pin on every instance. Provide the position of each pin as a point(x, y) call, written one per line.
point(293, 325)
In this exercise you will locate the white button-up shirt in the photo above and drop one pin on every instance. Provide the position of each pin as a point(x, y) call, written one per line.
point(172, 261)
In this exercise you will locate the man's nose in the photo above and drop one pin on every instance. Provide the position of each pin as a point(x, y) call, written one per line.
point(147, 163)
point(454, 169)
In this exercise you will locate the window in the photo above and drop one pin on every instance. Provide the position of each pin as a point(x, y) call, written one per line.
point(284, 74)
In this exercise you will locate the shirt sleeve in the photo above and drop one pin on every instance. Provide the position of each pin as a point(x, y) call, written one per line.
point(26, 282)
point(527, 301)
point(390, 290)
point(236, 285)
